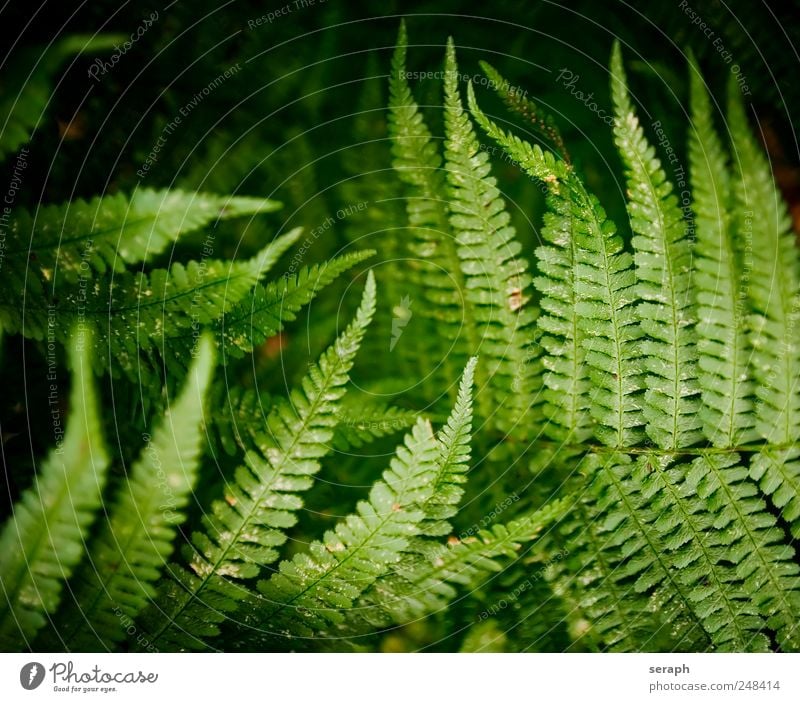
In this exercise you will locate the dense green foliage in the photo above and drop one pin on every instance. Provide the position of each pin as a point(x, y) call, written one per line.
point(586, 444)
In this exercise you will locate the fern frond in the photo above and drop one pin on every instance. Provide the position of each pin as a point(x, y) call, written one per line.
point(440, 505)
point(107, 233)
point(495, 272)
point(452, 462)
point(127, 555)
point(750, 538)
point(515, 99)
point(638, 555)
point(133, 314)
point(764, 236)
point(43, 541)
point(243, 531)
point(357, 427)
point(728, 412)
point(663, 258)
point(426, 587)
point(258, 317)
point(603, 613)
point(566, 381)
point(698, 536)
point(604, 283)
point(437, 270)
point(306, 597)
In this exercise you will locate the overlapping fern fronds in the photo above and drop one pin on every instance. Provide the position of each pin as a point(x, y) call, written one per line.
point(649, 385)
point(665, 520)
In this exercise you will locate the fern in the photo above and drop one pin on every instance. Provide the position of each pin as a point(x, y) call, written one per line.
point(727, 411)
point(692, 538)
point(566, 381)
point(308, 593)
point(619, 471)
point(131, 314)
point(358, 426)
point(778, 473)
point(663, 271)
point(109, 233)
point(42, 543)
point(495, 274)
point(437, 270)
point(254, 320)
point(763, 232)
point(603, 284)
point(243, 531)
point(447, 569)
point(127, 555)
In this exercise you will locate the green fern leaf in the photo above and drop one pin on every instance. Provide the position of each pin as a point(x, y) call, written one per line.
point(309, 592)
point(452, 463)
point(663, 268)
point(697, 535)
point(495, 272)
point(424, 588)
point(778, 474)
point(440, 505)
point(436, 270)
point(728, 413)
point(243, 531)
point(358, 426)
point(108, 233)
point(765, 237)
point(515, 99)
point(566, 381)
point(131, 548)
point(604, 284)
point(264, 314)
point(132, 314)
point(638, 556)
point(43, 540)
point(603, 613)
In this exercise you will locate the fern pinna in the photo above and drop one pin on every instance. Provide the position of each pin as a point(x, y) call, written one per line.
point(601, 438)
